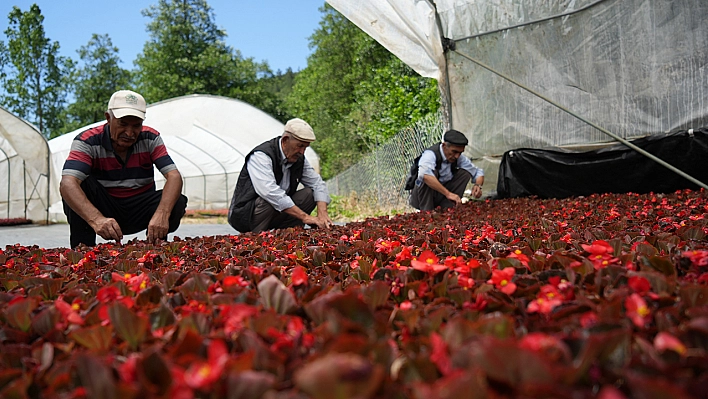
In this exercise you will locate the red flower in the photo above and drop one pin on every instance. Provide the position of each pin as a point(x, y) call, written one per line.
point(234, 316)
point(299, 275)
point(598, 247)
point(540, 342)
point(134, 283)
point(547, 299)
point(697, 257)
point(588, 319)
point(664, 341)
point(69, 312)
point(502, 280)
point(202, 374)
point(641, 286)
point(108, 294)
point(427, 262)
point(465, 282)
point(128, 369)
point(440, 355)
point(234, 281)
point(517, 254)
point(386, 246)
point(637, 310)
point(404, 254)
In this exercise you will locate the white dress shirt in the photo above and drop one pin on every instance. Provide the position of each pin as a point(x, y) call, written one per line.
point(426, 166)
point(260, 168)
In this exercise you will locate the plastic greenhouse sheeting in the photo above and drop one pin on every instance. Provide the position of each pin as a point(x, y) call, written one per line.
point(634, 67)
point(206, 136)
point(24, 170)
point(613, 169)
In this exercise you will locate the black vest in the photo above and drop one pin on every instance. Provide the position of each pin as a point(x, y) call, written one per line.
point(439, 158)
point(245, 195)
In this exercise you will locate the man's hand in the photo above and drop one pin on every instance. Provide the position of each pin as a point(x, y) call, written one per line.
point(158, 227)
point(454, 198)
point(321, 221)
point(477, 191)
point(107, 228)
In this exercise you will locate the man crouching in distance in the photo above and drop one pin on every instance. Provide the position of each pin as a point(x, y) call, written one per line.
point(443, 174)
point(266, 195)
point(107, 182)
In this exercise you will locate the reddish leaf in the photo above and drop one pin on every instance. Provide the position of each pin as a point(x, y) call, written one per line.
point(19, 314)
point(249, 384)
point(95, 376)
point(339, 375)
point(97, 338)
point(129, 326)
point(275, 295)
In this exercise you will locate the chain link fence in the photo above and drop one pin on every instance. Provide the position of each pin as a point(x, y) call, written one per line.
point(377, 180)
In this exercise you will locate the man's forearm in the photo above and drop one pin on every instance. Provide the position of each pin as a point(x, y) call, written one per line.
point(296, 212)
point(432, 182)
point(170, 192)
point(71, 192)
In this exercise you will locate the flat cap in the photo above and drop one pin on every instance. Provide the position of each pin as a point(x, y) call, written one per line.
point(300, 129)
point(455, 137)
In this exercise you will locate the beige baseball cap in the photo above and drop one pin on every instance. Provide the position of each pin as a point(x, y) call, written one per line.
point(300, 129)
point(127, 103)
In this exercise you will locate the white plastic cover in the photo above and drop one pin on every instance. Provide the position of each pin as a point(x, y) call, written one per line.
point(207, 138)
point(24, 170)
point(633, 67)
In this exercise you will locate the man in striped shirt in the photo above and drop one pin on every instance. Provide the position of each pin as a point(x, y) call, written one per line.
point(107, 183)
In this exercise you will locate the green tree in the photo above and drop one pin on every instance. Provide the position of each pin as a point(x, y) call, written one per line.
point(187, 54)
point(98, 78)
point(34, 77)
point(355, 93)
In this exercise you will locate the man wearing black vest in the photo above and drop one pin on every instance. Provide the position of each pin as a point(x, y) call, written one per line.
point(443, 174)
point(266, 195)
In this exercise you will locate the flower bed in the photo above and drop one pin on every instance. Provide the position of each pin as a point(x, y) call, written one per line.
point(14, 221)
point(605, 296)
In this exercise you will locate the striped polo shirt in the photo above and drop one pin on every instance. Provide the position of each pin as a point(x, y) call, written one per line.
point(92, 154)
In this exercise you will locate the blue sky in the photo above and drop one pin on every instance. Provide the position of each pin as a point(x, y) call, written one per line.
point(275, 31)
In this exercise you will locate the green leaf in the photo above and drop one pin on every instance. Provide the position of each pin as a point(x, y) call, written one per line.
point(129, 326)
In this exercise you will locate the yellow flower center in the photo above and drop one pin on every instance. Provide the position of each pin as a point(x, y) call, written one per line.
point(503, 283)
point(430, 261)
point(143, 285)
point(518, 252)
point(127, 275)
point(75, 306)
point(643, 311)
point(204, 371)
point(605, 263)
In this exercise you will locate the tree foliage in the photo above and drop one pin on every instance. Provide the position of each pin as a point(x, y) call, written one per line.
point(355, 93)
point(93, 83)
point(34, 77)
point(186, 54)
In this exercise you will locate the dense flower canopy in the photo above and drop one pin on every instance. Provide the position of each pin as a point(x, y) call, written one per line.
point(600, 296)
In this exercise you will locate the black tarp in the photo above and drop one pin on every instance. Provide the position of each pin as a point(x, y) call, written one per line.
point(558, 173)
